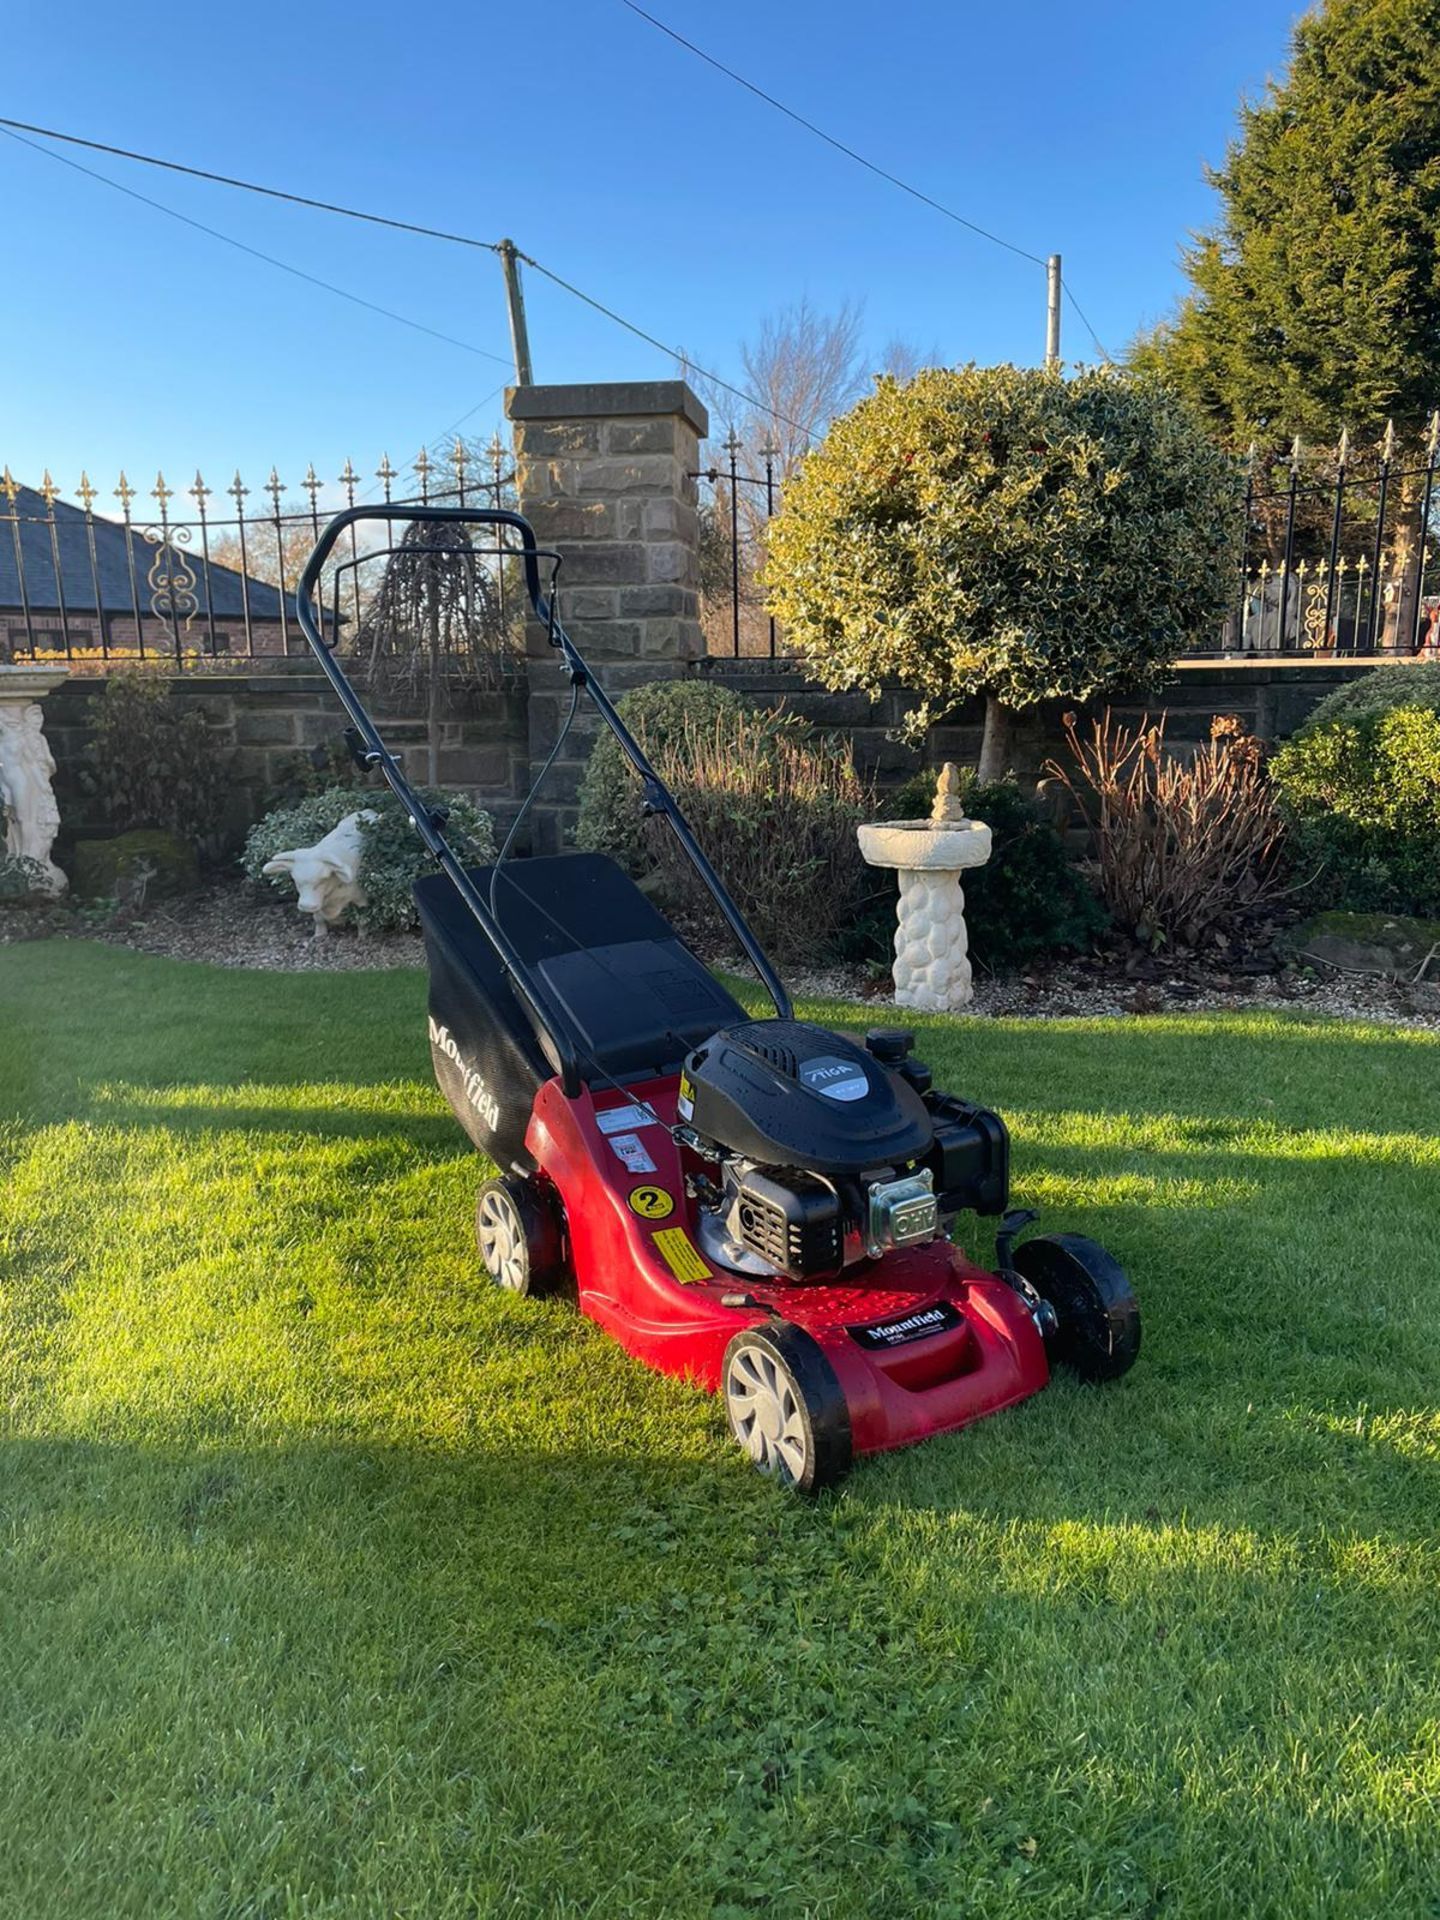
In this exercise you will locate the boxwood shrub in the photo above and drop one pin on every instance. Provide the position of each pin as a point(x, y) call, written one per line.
point(1361, 780)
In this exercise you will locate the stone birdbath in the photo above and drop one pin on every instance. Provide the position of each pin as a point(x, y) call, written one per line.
point(29, 815)
point(932, 959)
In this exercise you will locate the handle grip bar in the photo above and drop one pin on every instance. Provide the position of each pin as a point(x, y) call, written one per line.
point(657, 796)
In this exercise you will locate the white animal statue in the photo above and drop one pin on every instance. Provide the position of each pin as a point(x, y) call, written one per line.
point(28, 810)
point(327, 875)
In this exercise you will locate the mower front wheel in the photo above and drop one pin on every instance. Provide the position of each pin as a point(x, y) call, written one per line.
point(520, 1231)
point(785, 1406)
point(1097, 1333)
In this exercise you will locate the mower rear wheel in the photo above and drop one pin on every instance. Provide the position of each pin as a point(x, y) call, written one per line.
point(785, 1406)
point(1098, 1317)
point(520, 1231)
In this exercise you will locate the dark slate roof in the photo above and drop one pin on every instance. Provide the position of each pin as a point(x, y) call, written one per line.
point(31, 516)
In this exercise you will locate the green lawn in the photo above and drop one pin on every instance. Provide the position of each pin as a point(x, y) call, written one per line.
point(334, 1583)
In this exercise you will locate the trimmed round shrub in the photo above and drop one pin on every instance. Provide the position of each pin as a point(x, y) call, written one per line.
point(1361, 781)
point(1007, 532)
point(773, 804)
point(393, 856)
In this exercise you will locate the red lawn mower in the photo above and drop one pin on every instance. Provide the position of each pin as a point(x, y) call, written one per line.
point(762, 1207)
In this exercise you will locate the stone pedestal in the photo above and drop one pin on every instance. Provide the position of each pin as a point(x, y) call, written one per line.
point(932, 959)
point(604, 474)
point(27, 799)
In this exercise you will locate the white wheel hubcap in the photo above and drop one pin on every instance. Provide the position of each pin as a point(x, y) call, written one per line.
point(502, 1239)
point(766, 1415)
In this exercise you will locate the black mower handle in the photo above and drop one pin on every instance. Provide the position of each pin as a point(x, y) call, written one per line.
point(657, 796)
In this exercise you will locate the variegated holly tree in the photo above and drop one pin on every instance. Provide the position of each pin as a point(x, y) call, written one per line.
point(1006, 532)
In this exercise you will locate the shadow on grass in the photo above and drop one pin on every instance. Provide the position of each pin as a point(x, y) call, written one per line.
point(665, 1662)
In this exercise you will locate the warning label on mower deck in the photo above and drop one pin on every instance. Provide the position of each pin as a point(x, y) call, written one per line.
point(624, 1119)
point(629, 1149)
point(651, 1203)
point(679, 1253)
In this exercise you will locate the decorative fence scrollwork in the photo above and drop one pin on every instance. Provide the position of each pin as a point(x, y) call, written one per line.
point(170, 580)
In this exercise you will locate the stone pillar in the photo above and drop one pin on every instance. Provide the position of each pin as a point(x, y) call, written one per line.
point(604, 476)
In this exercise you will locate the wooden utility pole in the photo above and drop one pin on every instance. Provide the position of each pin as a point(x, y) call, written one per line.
point(1052, 314)
point(515, 302)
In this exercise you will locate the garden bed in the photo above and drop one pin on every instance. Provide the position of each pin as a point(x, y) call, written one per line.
point(234, 924)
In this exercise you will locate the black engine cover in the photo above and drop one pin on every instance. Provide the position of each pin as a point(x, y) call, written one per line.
point(787, 1094)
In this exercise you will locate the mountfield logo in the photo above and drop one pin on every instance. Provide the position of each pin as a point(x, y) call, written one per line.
point(476, 1092)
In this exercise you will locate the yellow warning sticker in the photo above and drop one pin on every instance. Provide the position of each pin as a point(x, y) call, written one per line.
point(685, 1105)
point(652, 1203)
point(676, 1249)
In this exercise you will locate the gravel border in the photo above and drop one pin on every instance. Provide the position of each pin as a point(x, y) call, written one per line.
point(236, 924)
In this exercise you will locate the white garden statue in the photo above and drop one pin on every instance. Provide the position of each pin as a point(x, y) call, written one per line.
point(327, 875)
point(932, 959)
point(28, 808)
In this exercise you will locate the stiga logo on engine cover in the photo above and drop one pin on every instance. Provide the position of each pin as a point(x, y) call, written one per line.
point(914, 1326)
point(836, 1079)
point(476, 1092)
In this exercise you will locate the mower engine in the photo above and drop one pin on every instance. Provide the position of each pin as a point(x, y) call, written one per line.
point(830, 1154)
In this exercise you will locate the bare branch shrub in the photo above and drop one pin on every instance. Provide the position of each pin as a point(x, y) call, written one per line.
point(1184, 847)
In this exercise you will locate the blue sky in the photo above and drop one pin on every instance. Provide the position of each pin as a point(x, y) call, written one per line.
point(607, 152)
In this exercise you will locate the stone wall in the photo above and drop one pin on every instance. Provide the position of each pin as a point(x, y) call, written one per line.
point(604, 474)
point(261, 721)
point(1271, 698)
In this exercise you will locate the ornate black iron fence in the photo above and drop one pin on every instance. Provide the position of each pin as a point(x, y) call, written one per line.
point(1340, 551)
point(198, 590)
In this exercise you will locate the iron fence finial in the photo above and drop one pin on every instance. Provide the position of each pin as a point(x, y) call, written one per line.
point(349, 478)
point(199, 493)
point(1432, 445)
point(1387, 445)
point(10, 487)
point(85, 491)
point(1342, 452)
point(160, 491)
point(237, 489)
point(48, 490)
point(275, 486)
point(311, 484)
point(124, 493)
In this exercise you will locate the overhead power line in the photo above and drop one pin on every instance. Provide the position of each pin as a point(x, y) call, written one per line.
point(675, 353)
point(250, 186)
point(243, 246)
point(830, 140)
point(305, 200)
point(1080, 315)
point(871, 166)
